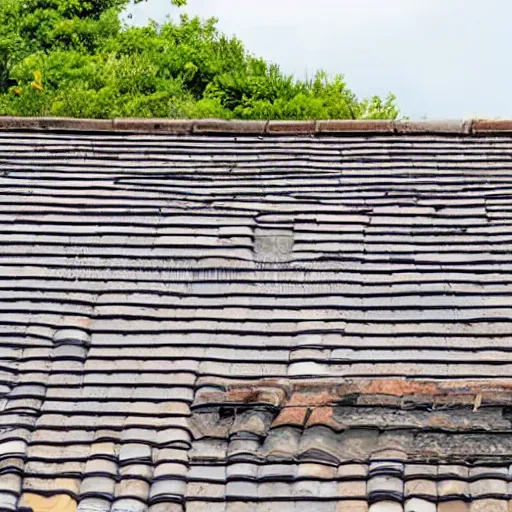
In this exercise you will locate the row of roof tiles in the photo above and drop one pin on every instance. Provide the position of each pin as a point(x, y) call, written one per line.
point(134, 495)
point(215, 126)
point(66, 504)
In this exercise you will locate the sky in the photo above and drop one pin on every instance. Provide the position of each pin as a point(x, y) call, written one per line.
point(443, 59)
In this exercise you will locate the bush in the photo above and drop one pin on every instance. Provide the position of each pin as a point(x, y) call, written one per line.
point(75, 58)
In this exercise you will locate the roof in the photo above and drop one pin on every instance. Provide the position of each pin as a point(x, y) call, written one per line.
point(209, 316)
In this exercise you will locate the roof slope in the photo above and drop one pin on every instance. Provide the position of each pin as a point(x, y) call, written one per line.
point(255, 321)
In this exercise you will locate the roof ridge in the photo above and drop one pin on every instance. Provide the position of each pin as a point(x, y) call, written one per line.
point(269, 128)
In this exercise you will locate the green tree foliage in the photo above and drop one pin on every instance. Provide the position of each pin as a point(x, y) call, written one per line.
point(77, 58)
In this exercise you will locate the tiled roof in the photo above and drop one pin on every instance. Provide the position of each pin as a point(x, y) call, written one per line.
point(227, 316)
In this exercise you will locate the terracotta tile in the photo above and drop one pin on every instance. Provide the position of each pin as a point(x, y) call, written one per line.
point(294, 416)
point(453, 488)
point(322, 416)
point(354, 489)
point(420, 488)
point(489, 506)
point(348, 126)
point(207, 126)
point(318, 471)
point(453, 506)
point(488, 486)
point(291, 127)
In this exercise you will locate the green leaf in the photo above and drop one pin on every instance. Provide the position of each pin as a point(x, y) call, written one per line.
point(77, 58)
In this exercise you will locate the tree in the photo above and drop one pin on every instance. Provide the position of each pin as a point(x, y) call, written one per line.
point(77, 58)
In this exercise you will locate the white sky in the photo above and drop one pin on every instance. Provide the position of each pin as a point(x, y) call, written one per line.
point(442, 58)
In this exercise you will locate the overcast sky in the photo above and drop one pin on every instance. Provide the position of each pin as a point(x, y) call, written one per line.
point(445, 59)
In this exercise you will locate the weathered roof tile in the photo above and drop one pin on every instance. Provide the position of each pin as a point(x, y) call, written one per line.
point(418, 505)
point(168, 489)
point(419, 487)
point(489, 505)
point(205, 490)
point(453, 488)
point(134, 452)
point(386, 506)
point(128, 505)
point(354, 489)
point(166, 507)
point(385, 486)
point(453, 506)
point(317, 471)
point(277, 472)
point(97, 485)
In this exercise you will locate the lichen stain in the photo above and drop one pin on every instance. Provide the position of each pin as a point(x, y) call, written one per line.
point(57, 503)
